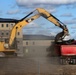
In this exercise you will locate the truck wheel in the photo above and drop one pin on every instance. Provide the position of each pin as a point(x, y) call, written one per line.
point(73, 61)
point(64, 61)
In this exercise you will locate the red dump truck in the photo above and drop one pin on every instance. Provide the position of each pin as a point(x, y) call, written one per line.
point(67, 53)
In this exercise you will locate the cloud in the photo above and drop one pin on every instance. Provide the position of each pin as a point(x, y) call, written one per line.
point(45, 3)
point(73, 21)
point(33, 28)
point(31, 25)
point(67, 15)
point(73, 27)
point(39, 32)
point(13, 11)
point(45, 32)
point(52, 10)
point(71, 6)
point(1, 13)
point(25, 2)
point(18, 18)
point(50, 5)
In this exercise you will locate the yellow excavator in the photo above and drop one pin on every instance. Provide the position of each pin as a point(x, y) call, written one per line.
point(6, 47)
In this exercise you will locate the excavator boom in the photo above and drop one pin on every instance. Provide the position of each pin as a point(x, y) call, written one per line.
point(26, 20)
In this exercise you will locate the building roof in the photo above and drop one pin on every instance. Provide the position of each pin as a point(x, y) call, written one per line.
point(37, 37)
point(8, 20)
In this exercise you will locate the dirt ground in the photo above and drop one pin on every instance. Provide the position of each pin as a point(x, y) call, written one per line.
point(34, 66)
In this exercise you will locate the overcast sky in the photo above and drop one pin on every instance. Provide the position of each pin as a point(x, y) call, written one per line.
point(64, 10)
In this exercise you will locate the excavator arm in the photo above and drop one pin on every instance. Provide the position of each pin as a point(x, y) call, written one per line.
point(56, 22)
point(19, 26)
point(41, 12)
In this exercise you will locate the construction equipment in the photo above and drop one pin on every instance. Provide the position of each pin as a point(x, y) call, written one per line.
point(6, 47)
point(41, 12)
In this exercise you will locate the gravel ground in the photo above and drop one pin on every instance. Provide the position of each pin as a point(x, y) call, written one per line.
point(34, 66)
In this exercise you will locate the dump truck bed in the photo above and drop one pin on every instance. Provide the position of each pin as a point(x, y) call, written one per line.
point(68, 50)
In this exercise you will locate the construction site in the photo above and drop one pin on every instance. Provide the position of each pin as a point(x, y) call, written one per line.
point(35, 54)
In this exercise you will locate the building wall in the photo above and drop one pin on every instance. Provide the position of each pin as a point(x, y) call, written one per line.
point(5, 29)
point(38, 48)
point(37, 42)
point(20, 47)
